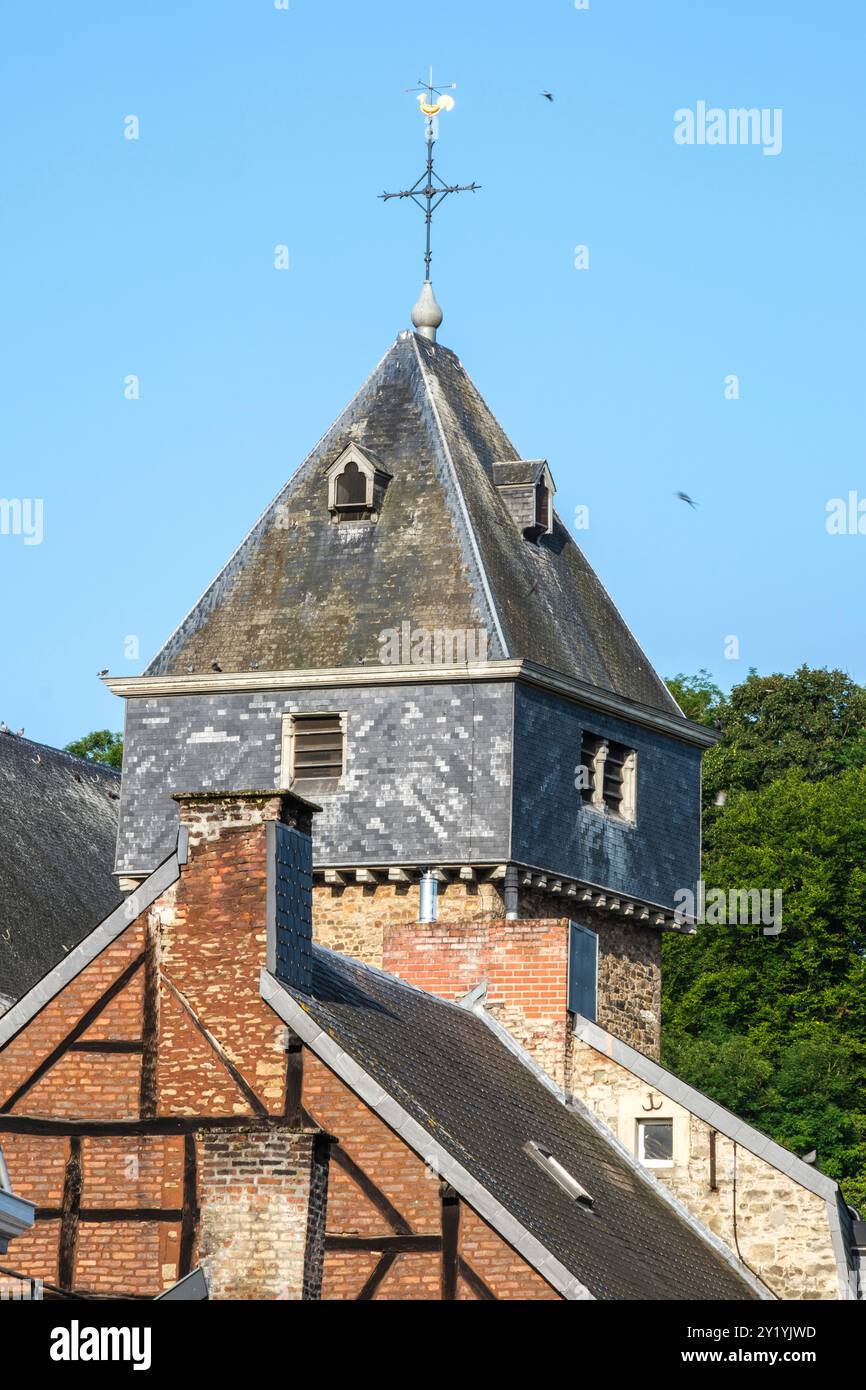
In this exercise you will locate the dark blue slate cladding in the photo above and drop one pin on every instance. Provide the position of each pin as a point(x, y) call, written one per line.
point(449, 774)
point(293, 906)
point(428, 776)
point(552, 828)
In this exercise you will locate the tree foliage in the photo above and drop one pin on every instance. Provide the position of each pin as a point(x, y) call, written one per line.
point(775, 1026)
point(99, 747)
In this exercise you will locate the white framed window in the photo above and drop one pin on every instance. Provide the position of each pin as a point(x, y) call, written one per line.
point(609, 777)
point(583, 972)
point(314, 748)
point(655, 1142)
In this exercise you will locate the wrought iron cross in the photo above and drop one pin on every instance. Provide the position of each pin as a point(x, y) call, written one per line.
point(430, 191)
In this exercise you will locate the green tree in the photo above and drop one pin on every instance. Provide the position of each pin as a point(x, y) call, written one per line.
point(99, 747)
point(814, 720)
point(775, 1027)
point(698, 696)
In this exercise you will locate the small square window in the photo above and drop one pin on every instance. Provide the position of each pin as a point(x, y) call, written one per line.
point(314, 748)
point(655, 1143)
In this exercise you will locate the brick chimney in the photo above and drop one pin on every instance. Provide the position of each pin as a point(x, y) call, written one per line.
point(217, 1052)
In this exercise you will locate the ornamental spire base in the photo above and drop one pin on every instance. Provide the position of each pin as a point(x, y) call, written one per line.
point(427, 315)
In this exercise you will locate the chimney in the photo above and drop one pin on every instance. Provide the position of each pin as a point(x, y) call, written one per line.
point(259, 1169)
point(290, 893)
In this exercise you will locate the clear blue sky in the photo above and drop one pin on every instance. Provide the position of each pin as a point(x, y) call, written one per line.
point(259, 127)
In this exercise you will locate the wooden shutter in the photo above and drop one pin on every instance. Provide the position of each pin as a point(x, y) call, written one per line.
point(583, 972)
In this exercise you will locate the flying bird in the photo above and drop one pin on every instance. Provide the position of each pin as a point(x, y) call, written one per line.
point(684, 497)
point(549, 95)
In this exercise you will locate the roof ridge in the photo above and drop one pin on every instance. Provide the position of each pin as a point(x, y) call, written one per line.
point(464, 510)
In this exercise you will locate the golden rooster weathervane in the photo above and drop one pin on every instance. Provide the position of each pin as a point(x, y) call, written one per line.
point(430, 191)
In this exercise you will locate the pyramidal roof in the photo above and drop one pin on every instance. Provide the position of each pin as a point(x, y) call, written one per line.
point(301, 593)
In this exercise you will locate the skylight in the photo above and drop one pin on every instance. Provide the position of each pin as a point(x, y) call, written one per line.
point(554, 1169)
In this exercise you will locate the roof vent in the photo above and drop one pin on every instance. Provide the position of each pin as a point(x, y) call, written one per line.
point(561, 1176)
point(526, 487)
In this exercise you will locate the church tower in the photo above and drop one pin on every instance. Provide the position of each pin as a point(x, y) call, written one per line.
point(410, 638)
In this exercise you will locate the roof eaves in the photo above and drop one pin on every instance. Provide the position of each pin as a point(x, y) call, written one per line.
point(292, 1012)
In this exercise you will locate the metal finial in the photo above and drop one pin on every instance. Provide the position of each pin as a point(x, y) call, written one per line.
point(429, 192)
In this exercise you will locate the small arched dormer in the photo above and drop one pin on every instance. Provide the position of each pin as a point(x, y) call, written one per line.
point(356, 486)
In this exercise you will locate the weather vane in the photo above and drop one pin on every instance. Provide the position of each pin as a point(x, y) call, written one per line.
point(429, 192)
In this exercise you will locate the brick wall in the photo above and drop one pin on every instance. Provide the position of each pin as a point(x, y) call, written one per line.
point(264, 1193)
point(525, 965)
point(379, 1187)
point(471, 942)
point(215, 1063)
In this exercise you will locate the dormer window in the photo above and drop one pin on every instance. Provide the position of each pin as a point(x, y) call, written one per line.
point(356, 486)
point(526, 487)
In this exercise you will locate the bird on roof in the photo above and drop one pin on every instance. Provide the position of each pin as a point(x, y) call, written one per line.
point(4, 728)
point(103, 673)
point(684, 497)
point(215, 666)
point(549, 95)
point(19, 733)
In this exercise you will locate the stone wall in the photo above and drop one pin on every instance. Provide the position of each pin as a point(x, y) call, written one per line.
point(779, 1228)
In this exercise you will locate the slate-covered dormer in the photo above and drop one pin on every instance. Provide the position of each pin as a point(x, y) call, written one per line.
point(527, 488)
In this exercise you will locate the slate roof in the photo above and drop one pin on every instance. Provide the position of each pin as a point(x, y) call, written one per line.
point(518, 474)
point(302, 594)
point(58, 825)
point(482, 1103)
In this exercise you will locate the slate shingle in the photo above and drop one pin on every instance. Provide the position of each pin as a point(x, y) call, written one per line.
point(472, 1095)
point(57, 838)
point(301, 593)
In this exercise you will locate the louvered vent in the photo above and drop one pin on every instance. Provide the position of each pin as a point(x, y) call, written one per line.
point(318, 747)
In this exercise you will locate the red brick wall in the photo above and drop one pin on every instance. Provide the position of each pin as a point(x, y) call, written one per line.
point(525, 964)
point(264, 1192)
